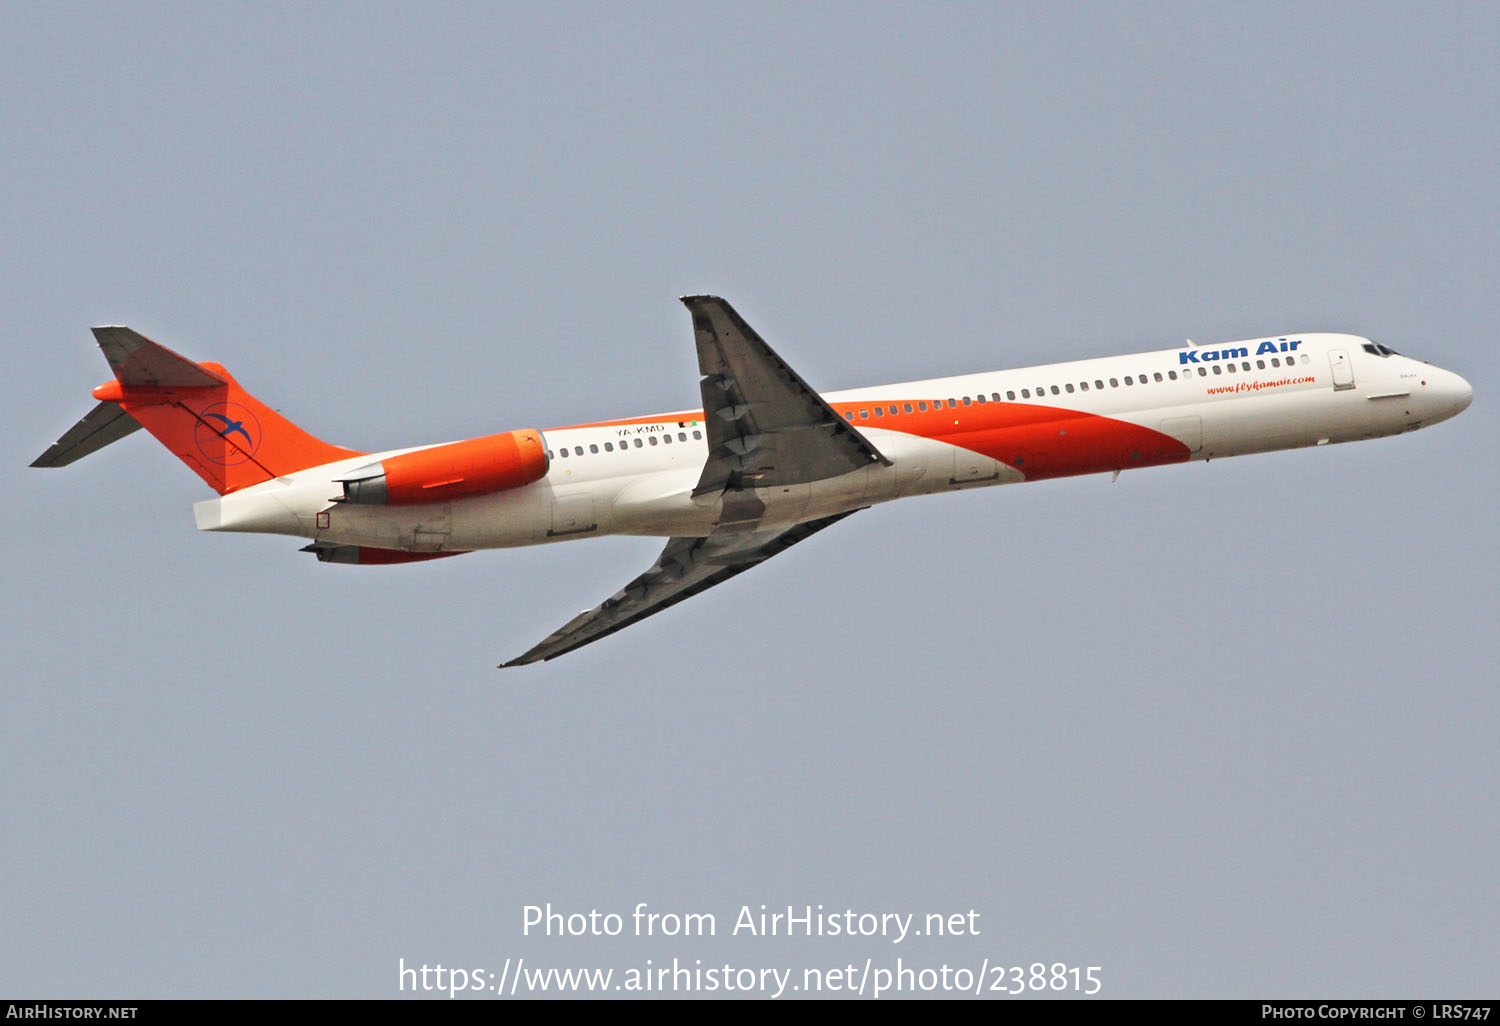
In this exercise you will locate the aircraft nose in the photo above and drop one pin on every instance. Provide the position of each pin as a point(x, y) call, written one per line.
point(1452, 393)
point(1463, 394)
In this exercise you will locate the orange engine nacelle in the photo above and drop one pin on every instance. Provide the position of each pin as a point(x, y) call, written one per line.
point(454, 471)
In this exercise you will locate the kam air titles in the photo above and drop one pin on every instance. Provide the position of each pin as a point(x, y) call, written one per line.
point(1239, 353)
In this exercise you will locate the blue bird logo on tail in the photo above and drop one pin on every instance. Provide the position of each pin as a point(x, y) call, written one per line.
point(230, 426)
point(227, 434)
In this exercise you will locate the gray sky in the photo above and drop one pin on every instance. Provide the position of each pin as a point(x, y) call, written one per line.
point(1223, 730)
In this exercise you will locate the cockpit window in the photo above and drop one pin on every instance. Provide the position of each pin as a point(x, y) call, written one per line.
point(1376, 349)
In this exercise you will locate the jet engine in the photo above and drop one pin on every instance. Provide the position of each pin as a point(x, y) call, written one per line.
point(457, 470)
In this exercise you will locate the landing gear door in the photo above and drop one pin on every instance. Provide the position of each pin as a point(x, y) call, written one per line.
point(1343, 370)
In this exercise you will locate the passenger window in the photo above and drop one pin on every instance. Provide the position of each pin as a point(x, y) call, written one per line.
point(1025, 393)
point(1203, 372)
point(698, 435)
point(1172, 375)
point(1084, 385)
point(563, 452)
point(549, 454)
point(609, 446)
point(922, 407)
point(1012, 396)
point(666, 439)
point(1157, 375)
point(893, 411)
point(995, 396)
point(848, 414)
point(652, 439)
point(1114, 382)
point(1261, 364)
point(1099, 384)
point(1069, 387)
point(907, 407)
point(864, 414)
point(952, 403)
point(594, 449)
point(1305, 358)
point(967, 401)
point(1275, 361)
point(639, 444)
point(1128, 381)
point(1230, 367)
point(879, 412)
point(682, 436)
point(1218, 369)
point(1054, 390)
point(979, 398)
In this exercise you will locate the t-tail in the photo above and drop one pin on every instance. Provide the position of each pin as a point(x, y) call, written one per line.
point(197, 410)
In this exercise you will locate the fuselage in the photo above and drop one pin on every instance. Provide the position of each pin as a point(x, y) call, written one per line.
point(637, 475)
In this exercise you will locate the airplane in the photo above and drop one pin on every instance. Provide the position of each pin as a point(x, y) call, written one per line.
point(763, 464)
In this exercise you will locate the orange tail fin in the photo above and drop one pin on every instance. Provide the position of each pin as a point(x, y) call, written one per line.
point(197, 410)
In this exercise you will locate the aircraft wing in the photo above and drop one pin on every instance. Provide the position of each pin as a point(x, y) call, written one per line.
point(108, 422)
point(765, 425)
point(685, 567)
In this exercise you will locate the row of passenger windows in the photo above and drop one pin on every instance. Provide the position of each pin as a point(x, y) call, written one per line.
point(937, 404)
point(1082, 386)
point(665, 438)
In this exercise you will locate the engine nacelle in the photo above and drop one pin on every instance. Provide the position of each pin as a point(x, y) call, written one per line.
point(457, 470)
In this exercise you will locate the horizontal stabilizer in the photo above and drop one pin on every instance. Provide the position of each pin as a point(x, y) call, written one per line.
point(136, 360)
point(104, 424)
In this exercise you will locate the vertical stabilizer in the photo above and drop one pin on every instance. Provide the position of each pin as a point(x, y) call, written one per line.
point(197, 410)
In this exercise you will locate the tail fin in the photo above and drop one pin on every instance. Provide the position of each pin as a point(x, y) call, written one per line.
point(197, 410)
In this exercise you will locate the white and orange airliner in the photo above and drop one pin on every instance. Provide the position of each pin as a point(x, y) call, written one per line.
point(764, 463)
